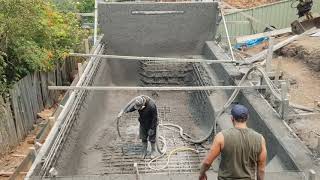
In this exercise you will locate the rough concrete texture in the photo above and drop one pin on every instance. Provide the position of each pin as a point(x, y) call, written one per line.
point(217, 99)
point(181, 176)
point(280, 143)
point(163, 34)
point(93, 147)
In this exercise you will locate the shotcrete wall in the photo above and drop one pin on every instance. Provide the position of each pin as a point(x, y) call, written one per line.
point(153, 29)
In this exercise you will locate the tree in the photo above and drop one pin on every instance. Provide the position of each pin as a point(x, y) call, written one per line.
point(85, 6)
point(34, 36)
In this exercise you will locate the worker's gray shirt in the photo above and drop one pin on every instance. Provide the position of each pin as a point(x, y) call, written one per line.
point(148, 116)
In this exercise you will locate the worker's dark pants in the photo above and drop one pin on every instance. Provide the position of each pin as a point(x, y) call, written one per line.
point(143, 133)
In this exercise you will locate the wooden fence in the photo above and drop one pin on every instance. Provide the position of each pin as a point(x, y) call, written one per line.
point(27, 98)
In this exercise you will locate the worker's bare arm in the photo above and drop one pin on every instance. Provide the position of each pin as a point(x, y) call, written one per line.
point(262, 161)
point(214, 152)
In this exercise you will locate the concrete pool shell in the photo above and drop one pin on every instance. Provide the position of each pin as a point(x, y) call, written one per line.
point(171, 30)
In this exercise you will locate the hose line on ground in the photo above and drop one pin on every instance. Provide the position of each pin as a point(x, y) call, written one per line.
point(169, 156)
point(274, 90)
point(213, 129)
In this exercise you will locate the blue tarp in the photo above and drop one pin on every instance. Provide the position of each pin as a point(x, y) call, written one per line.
point(251, 43)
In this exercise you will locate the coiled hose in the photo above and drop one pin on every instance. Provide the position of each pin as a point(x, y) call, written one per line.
point(168, 157)
point(213, 130)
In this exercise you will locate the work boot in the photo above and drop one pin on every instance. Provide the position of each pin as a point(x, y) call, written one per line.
point(153, 150)
point(144, 150)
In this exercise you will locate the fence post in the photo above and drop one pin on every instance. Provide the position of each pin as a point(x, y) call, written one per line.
point(269, 56)
point(278, 71)
point(86, 46)
point(284, 100)
point(80, 69)
point(318, 145)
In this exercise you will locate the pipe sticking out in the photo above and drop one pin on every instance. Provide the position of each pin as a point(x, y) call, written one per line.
point(95, 33)
point(143, 58)
point(227, 33)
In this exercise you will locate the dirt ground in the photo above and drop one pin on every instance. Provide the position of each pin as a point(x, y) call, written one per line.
point(300, 63)
point(10, 162)
point(306, 49)
point(242, 4)
point(305, 91)
point(305, 83)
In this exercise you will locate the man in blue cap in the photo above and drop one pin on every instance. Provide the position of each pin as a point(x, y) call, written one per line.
point(243, 151)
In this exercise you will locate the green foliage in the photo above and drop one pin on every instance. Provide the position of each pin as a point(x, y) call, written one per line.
point(85, 6)
point(34, 36)
point(3, 78)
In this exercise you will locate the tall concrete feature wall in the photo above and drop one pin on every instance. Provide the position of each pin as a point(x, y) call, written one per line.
point(154, 29)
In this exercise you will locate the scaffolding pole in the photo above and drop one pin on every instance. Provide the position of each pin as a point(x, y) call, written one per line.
point(95, 34)
point(144, 58)
point(227, 33)
point(161, 88)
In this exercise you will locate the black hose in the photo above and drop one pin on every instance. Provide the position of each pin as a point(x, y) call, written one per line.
point(118, 129)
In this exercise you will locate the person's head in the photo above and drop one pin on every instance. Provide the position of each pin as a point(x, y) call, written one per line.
point(239, 114)
point(139, 103)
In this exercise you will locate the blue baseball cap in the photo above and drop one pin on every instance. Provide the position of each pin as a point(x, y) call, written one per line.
point(239, 112)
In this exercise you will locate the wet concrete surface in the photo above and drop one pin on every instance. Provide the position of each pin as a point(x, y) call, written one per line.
point(93, 146)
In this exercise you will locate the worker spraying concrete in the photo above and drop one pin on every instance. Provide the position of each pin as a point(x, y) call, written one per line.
point(148, 119)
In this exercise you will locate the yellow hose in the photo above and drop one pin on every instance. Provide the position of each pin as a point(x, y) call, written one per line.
point(168, 157)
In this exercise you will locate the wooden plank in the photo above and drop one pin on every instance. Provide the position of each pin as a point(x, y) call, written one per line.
point(31, 97)
point(32, 107)
point(8, 173)
point(243, 39)
point(34, 98)
point(52, 80)
point(269, 56)
point(23, 110)
point(34, 102)
point(37, 84)
point(4, 133)
point(24, 165)
point(59, 74)
point(34, 92)
point(17, 115)
point(45, 93)
point(63, 72)
point(85, 14)
point(86, 46)
point(10, 124)
point(25, 106)
point(263, 53)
